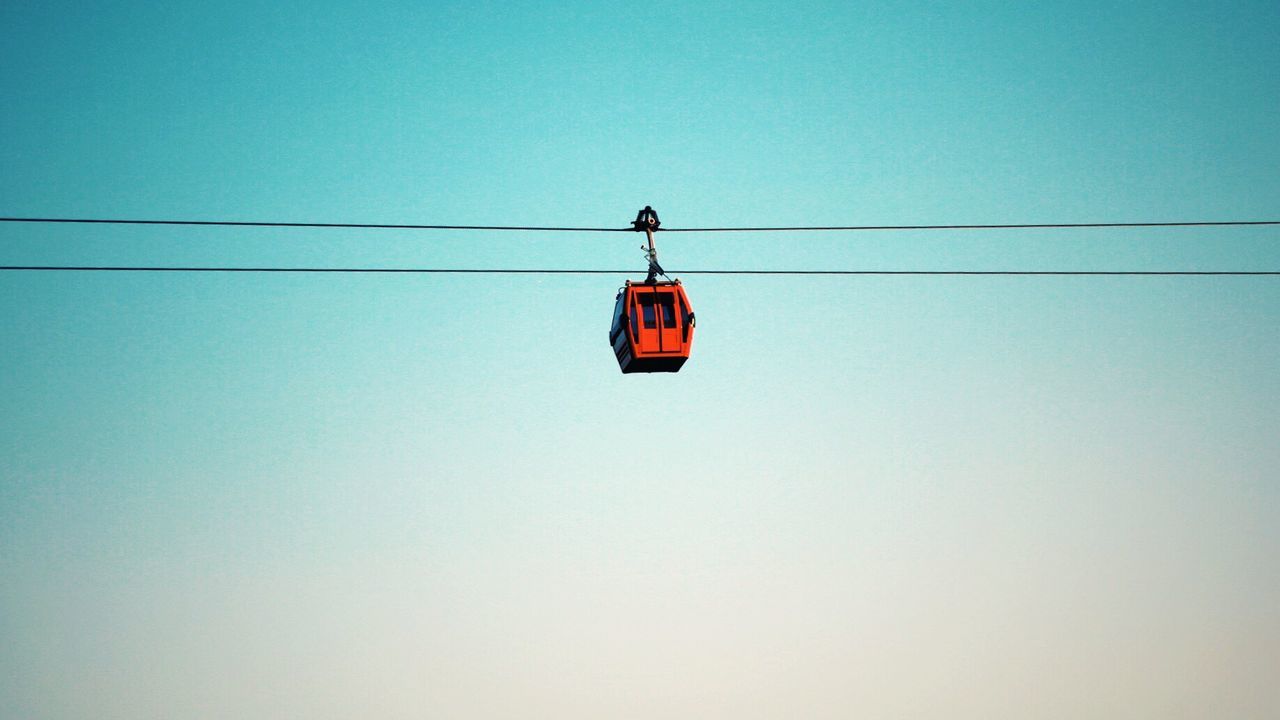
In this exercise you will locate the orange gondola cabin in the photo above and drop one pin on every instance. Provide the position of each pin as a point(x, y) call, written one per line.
point(652, 321)
point(652, 327)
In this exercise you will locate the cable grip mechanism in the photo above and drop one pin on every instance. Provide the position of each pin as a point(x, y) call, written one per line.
point(647, 220)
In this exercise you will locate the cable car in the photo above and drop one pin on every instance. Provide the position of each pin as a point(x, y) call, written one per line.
point(653, 322)
point(652, 327)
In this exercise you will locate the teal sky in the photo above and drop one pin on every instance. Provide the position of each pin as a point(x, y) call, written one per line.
point(436, 496)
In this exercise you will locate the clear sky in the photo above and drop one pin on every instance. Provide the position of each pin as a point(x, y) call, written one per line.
point(269, 496)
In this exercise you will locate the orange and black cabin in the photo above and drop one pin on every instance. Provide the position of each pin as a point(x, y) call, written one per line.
point(652, 327)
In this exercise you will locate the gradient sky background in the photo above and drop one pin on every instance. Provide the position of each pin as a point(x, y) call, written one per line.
point(436, 496)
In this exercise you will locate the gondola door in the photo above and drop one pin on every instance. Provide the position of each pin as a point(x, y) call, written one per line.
point(645, 310)
point(669, 328)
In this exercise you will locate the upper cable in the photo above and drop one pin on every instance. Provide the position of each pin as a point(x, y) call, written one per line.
point(533, 228)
